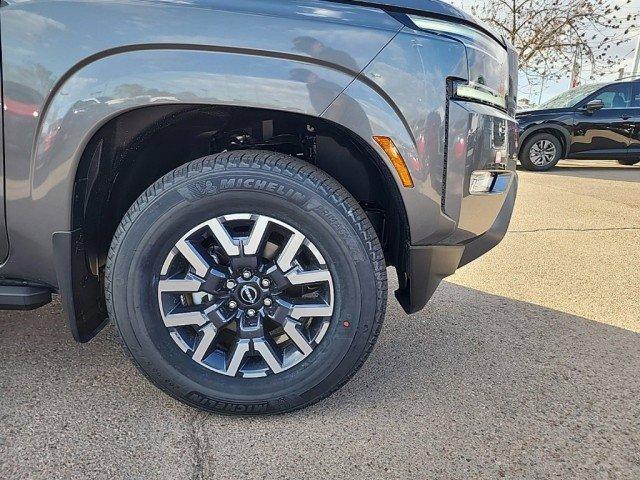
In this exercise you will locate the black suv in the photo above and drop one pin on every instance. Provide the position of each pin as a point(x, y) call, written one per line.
point(600, 122)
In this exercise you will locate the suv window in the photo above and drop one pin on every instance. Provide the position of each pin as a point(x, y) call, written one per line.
point(635, 100)
point(615, 96)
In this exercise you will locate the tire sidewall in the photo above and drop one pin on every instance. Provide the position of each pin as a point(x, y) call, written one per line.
point(628, 161)
point(159, 224)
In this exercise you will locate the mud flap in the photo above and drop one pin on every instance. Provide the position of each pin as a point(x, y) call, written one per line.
point(80, 290)
point(426, 267)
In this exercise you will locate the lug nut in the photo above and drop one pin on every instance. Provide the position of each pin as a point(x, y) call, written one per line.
point(246, 274)
point(231, 284)
point(267, 301)
point(232, 304)
point(265, 282)
point(251, 312)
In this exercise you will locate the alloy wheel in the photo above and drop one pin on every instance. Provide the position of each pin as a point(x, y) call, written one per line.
point(542, 153)
point(246, 295)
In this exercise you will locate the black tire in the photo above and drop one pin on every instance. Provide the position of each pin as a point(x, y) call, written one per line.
point(271, 184)
point(628, 161)
point(525, 152)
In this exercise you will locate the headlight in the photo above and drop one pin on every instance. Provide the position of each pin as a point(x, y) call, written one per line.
point(424, 23)
point(477, 43)
point(478, 93)
point(451, 28)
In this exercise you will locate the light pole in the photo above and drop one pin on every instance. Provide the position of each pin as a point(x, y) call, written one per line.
point(636, 58)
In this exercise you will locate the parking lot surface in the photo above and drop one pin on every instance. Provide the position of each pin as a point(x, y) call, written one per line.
point(524, 365)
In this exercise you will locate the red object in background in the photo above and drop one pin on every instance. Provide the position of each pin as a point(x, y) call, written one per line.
point(19, 108)
point(460, 149)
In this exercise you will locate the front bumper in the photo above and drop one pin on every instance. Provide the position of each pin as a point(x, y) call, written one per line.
point(427, 266)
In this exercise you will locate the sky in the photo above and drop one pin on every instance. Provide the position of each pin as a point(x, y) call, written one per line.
point(624, 52)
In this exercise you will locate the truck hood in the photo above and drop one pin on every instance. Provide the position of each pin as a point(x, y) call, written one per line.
point(431, 8)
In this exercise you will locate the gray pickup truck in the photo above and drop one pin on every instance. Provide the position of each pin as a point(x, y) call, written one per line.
point(228, 180)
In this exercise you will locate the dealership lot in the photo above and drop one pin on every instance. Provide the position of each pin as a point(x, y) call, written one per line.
point(525, 364)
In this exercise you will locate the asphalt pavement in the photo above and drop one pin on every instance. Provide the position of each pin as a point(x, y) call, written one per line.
point(526, 364)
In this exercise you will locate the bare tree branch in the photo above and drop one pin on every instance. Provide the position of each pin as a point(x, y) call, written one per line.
point(549, 34)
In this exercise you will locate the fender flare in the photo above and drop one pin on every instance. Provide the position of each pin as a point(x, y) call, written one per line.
point(112, 85)
point(122, 81)
point(564, 134)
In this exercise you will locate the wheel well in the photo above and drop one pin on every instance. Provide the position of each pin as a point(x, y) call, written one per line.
point(133, 150)
point(552, 131)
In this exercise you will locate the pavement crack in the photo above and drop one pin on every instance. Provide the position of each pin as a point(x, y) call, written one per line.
point(198, 446)
point(604, 229)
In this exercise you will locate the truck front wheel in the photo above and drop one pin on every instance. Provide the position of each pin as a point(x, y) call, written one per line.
point(247, 282)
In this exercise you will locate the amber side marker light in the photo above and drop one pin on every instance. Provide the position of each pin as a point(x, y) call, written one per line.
point(398, 162)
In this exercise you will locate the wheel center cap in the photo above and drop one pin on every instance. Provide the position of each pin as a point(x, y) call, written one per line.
point(248, 294)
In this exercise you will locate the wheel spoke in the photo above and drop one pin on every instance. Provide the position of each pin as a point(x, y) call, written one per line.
point(310, 310)
point(195, 258)
point(239, 351)
point(289, 251)
point(184, 285)
point(213, 281)
point(292, 329)
point(185, 318)
point(257, 236)
point(223, 238)
point(209, 333)
point(286, 311)
point(299, 277)
point(217, 316)
point(264, 348)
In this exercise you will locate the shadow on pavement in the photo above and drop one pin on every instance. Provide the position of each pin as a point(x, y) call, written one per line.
point(475, 386)
point(599, 170)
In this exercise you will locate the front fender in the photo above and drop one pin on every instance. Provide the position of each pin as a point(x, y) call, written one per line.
point(402, 95)
point(79, 64)
point(119, 83)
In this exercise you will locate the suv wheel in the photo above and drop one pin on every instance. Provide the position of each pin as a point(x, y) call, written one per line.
point(540, 152)
point(628, 161)
point(247, 282)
